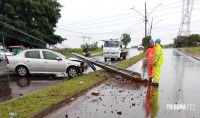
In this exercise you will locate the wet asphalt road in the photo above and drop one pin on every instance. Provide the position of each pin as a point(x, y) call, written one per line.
point(179, 86)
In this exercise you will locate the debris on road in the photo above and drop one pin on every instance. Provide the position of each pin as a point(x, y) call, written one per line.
point(72, 99)
point(119, 112)
point(95, 93)
point(81, 82)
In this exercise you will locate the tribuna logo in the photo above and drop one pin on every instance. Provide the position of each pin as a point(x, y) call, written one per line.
point(180, 106)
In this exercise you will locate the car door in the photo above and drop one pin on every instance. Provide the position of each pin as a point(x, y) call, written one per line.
point(52, 62)
point(34, 62)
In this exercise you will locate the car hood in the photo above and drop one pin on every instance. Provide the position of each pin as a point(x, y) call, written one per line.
point(74, 59)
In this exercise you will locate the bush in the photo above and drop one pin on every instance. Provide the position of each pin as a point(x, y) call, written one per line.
point(145, 42)
point(90, 47)
point(187, 40)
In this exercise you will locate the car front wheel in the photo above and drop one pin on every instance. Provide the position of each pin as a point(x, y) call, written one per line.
point(22, 71)
point(72, 71)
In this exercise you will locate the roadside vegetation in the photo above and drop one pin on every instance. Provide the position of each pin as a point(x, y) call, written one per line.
point(187, 41)
point(194, 50)
point(92, 49)
point(67, 51)
point(145, 42)
point(32, 103)
point(190, 44)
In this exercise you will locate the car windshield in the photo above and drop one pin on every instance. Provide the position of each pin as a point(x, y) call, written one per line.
point(111, 44)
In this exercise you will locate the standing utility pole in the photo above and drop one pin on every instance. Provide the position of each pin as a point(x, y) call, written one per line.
point(145, 20)
point(145, 16)
point(184, 29)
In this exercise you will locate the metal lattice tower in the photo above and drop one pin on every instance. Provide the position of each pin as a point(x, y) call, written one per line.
point(184, 29)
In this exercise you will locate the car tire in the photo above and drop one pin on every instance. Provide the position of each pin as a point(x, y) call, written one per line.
point(124, 57)
point(22, 71)
point(72, 71)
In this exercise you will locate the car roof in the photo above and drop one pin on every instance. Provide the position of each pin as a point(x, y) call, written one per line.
point(38, 50)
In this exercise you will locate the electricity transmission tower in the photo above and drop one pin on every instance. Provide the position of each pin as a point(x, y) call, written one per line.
point(184, 29)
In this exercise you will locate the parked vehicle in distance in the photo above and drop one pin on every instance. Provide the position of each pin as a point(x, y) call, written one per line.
point(44, 61)
point(16, 49)
point(112, 49)
point(140, 47)
point(3, 53)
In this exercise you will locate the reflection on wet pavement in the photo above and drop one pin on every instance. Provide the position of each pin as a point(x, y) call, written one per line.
point(179, 85)
point(13, 87)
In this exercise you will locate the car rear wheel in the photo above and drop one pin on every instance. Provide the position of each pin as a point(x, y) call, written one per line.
point(72, 71)
point(118, 59)
point(22, 71)
point(23, 82)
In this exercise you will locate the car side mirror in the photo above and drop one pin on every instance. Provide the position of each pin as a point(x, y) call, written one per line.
point(102, 46)
point(120, 46)
point(58, 58)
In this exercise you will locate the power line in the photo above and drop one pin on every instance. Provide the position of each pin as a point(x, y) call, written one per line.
point(12, 35)
point(114, 16)
point(100, 22)
point(27, 28)
point(24, 33)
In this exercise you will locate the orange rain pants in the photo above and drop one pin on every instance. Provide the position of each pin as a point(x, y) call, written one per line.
point(149, 55)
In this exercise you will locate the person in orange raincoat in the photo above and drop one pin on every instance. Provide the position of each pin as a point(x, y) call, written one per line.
point(149, 55)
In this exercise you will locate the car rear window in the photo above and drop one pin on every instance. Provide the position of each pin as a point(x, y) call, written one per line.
point(33, 54)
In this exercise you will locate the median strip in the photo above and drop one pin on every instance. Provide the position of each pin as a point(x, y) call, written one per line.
point(45, 100)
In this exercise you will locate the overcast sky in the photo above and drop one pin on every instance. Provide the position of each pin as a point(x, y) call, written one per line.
point(105, 19)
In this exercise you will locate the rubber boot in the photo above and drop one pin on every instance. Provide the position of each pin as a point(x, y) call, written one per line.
point(150, 80)
point(155, 84)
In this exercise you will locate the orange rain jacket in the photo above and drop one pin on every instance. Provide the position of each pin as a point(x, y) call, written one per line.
point(149, 55)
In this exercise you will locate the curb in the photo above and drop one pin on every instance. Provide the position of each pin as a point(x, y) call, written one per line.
point(63, 102)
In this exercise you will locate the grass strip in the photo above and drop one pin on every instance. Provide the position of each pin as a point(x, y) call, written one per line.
point(194, 50)
point(27, 105)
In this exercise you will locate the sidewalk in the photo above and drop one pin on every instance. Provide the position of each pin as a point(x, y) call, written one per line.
point(189, 53)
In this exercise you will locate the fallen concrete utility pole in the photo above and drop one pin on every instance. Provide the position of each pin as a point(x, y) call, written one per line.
point(130, 75)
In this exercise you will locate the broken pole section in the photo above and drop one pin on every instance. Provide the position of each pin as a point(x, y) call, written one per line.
point(126, 74)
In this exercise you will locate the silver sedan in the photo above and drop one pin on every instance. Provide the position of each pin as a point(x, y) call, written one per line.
point(43, 61)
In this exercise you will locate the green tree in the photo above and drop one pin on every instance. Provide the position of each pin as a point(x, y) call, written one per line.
point(188, 40)
point(35, 17)
point(145, 42)
point(126, 39)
